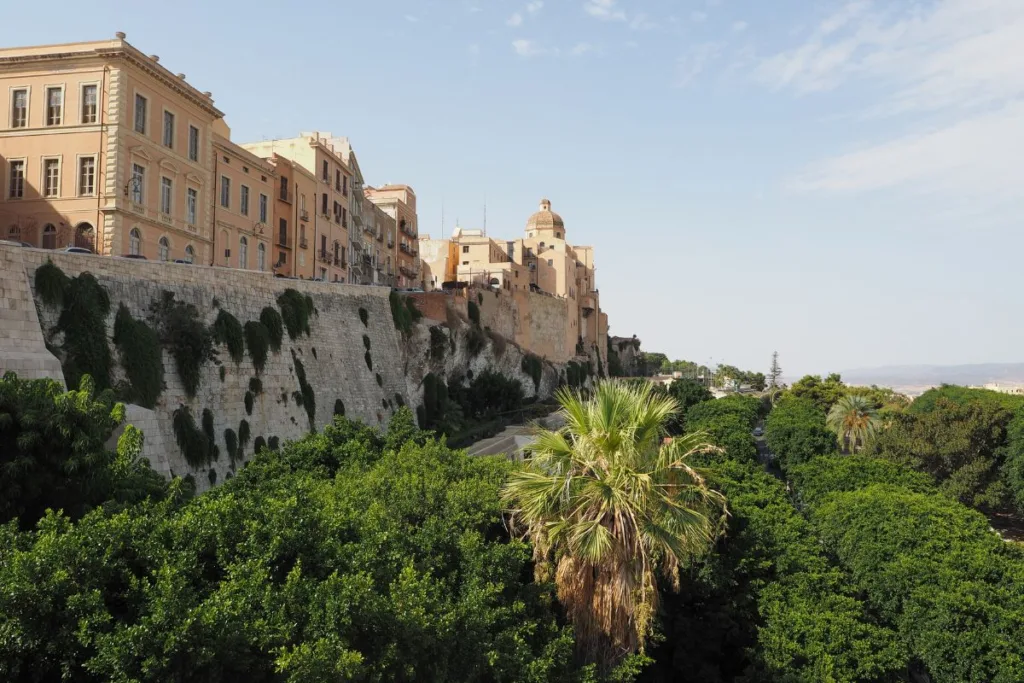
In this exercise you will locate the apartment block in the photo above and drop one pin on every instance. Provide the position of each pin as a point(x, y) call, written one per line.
point(294, 195)
point(331, 208)
point(103, 147)
point(399, 202)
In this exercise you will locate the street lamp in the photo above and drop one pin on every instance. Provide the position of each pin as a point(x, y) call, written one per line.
point(134, 184)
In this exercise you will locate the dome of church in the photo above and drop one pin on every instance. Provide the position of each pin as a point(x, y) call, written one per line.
point(545, 219)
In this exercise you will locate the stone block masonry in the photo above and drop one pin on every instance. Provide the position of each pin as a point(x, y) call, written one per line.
point(332, 355)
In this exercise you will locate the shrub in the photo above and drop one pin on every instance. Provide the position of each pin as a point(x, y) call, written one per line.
point(231, 443)
point(476, 341)
point(366, 342)
point(795, 432)
point(339, 407)
point(183, 333)
point(498, 342)
point(192, 442)
point(257, 339)
point(380, 380)
point(207, 421)
point(51, 284)
point(228, 331)
point(438, 343)
point(308, 397)
point(273, 443)
point(474, 312)
point(296, 311)
point(141, 357)
point(255, 386)
point(488, 394)
point(575, 374)
point(259, 444)
point(369, 361)
point(435, 398)
point(403, 312)
point(243, 434)
point(212, 476)
point(250, 400)
point(399, 401)
point(364, 316)
point(83, 320)
point(532, 366)
point(271, 319)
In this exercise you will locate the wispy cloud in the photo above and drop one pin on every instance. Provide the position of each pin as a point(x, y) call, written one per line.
point(534, 7)
point(692, 64)
point(697, 16)
point(581, 49)
point(952, 71)
point(530, 48)
point(410, 18)
point(740, 26)
point(514, 20)
point(605, 10)
point(641, 22)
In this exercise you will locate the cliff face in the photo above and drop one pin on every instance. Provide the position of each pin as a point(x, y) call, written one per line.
point(352, 360)
point(629, 362)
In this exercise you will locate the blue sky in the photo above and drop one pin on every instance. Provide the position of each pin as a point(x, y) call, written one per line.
point(840, 181)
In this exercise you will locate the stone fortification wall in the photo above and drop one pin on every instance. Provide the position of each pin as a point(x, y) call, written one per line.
point(333, 355)
point(542, 326)
point(22, 347)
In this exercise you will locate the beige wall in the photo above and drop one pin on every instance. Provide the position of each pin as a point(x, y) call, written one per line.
point(245, 235)
point(399, 201)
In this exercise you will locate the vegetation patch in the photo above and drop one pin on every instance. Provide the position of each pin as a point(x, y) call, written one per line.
point(259, 444)
point(435, 399)
point(308, 397)
point(271, 319)
point(250, 400)
point(51, 284)
point(575, 374)
point(364, 316)
point(83, 321)
point(257, 339)
point(476, 341)
point(231, 443)
point(404, 313)
point(296, 311)
point(369, 361)
point(212, 476)
point(243, 434)
point(532, 366)
point(498, 342)
point(228, 331)
point(339, 407)
point(273, 443)
point(141, 358)
point(193, 443)
point(474, 311)
point(438, 343)
point(380, 380)
point(399, 401)
point(366, 342)
point(223, 372)
point(183, 334)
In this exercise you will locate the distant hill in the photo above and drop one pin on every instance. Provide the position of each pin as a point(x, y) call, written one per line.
point(917, 378)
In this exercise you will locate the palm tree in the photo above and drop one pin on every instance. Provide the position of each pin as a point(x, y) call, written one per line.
point(854, 420)
point(607, 503)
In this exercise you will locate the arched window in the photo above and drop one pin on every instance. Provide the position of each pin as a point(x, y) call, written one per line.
point(49, 236)
point(165, 249)
point(190, 254)
point(135, 242)
point(85, 237)
point(243, 253)
point(261, 257)
point(14, 233)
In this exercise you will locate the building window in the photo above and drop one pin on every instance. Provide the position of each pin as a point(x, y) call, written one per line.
point(19, 108)
point(284, 189)
point(337, 181)
point(193, 143)
point(14, 233)
point(164, 249)
point(282, 230)
point(263, 208)
point(465, 263)
point(90, 104)
point(49, 236)
point(326, 172)
point(168, 129)
point(323, 205)
point(166, 192)
point(243, 253)
point(245, 200)
point(558, 235)
point(261, 257)
point(51, 177)
point(344, 217)
point(138, 183)
point(190, 254)
point(54, 106)
point(465, 249)
point(550, 262)
point(344, 186)
point(135, 242)
point(141, 105)
point(16, 188)
point(87, 176)
point(191, 204)
point(225, 192)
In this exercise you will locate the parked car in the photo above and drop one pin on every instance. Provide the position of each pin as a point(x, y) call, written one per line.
point(12, 243)
point(134, 256)
point(758, 431)
point(181, 260)
point(76, 250)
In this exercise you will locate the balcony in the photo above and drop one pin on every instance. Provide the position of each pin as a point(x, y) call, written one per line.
point(407, 230)
point(303, 243)
point(588, 304)
point(391, 244)
point(282, 241)
point(324, 256)
point(404, 248)
point(304, 215)
point(286, 196)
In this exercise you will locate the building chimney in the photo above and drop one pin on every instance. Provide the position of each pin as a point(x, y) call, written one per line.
point(121, 35)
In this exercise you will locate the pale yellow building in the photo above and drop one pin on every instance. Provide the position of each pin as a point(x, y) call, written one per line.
point(399, 202)
point(330, 207)
point(103, 147)
point(293, 195)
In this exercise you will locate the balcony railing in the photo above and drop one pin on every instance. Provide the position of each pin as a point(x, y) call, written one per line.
point(286, 195)
point(324, 256)
point(303, 243)
point(303, 215)
point(404, 248)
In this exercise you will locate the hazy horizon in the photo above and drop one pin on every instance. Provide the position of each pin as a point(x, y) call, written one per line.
point(837, 181)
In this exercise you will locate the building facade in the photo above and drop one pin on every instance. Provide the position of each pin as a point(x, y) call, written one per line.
point(102, 147)
point(399, 202)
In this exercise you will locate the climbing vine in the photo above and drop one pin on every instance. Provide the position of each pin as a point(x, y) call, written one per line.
point(308, 397)
point(141, 358)
point(184, 335)
point(532, 366)
point(271, 319)
point(296, 311)
point(193, 443)
point(228, 331)
point(83, 321)
point(404, 313)
point(364, 316)
point(438, 343)
point(257, 339)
